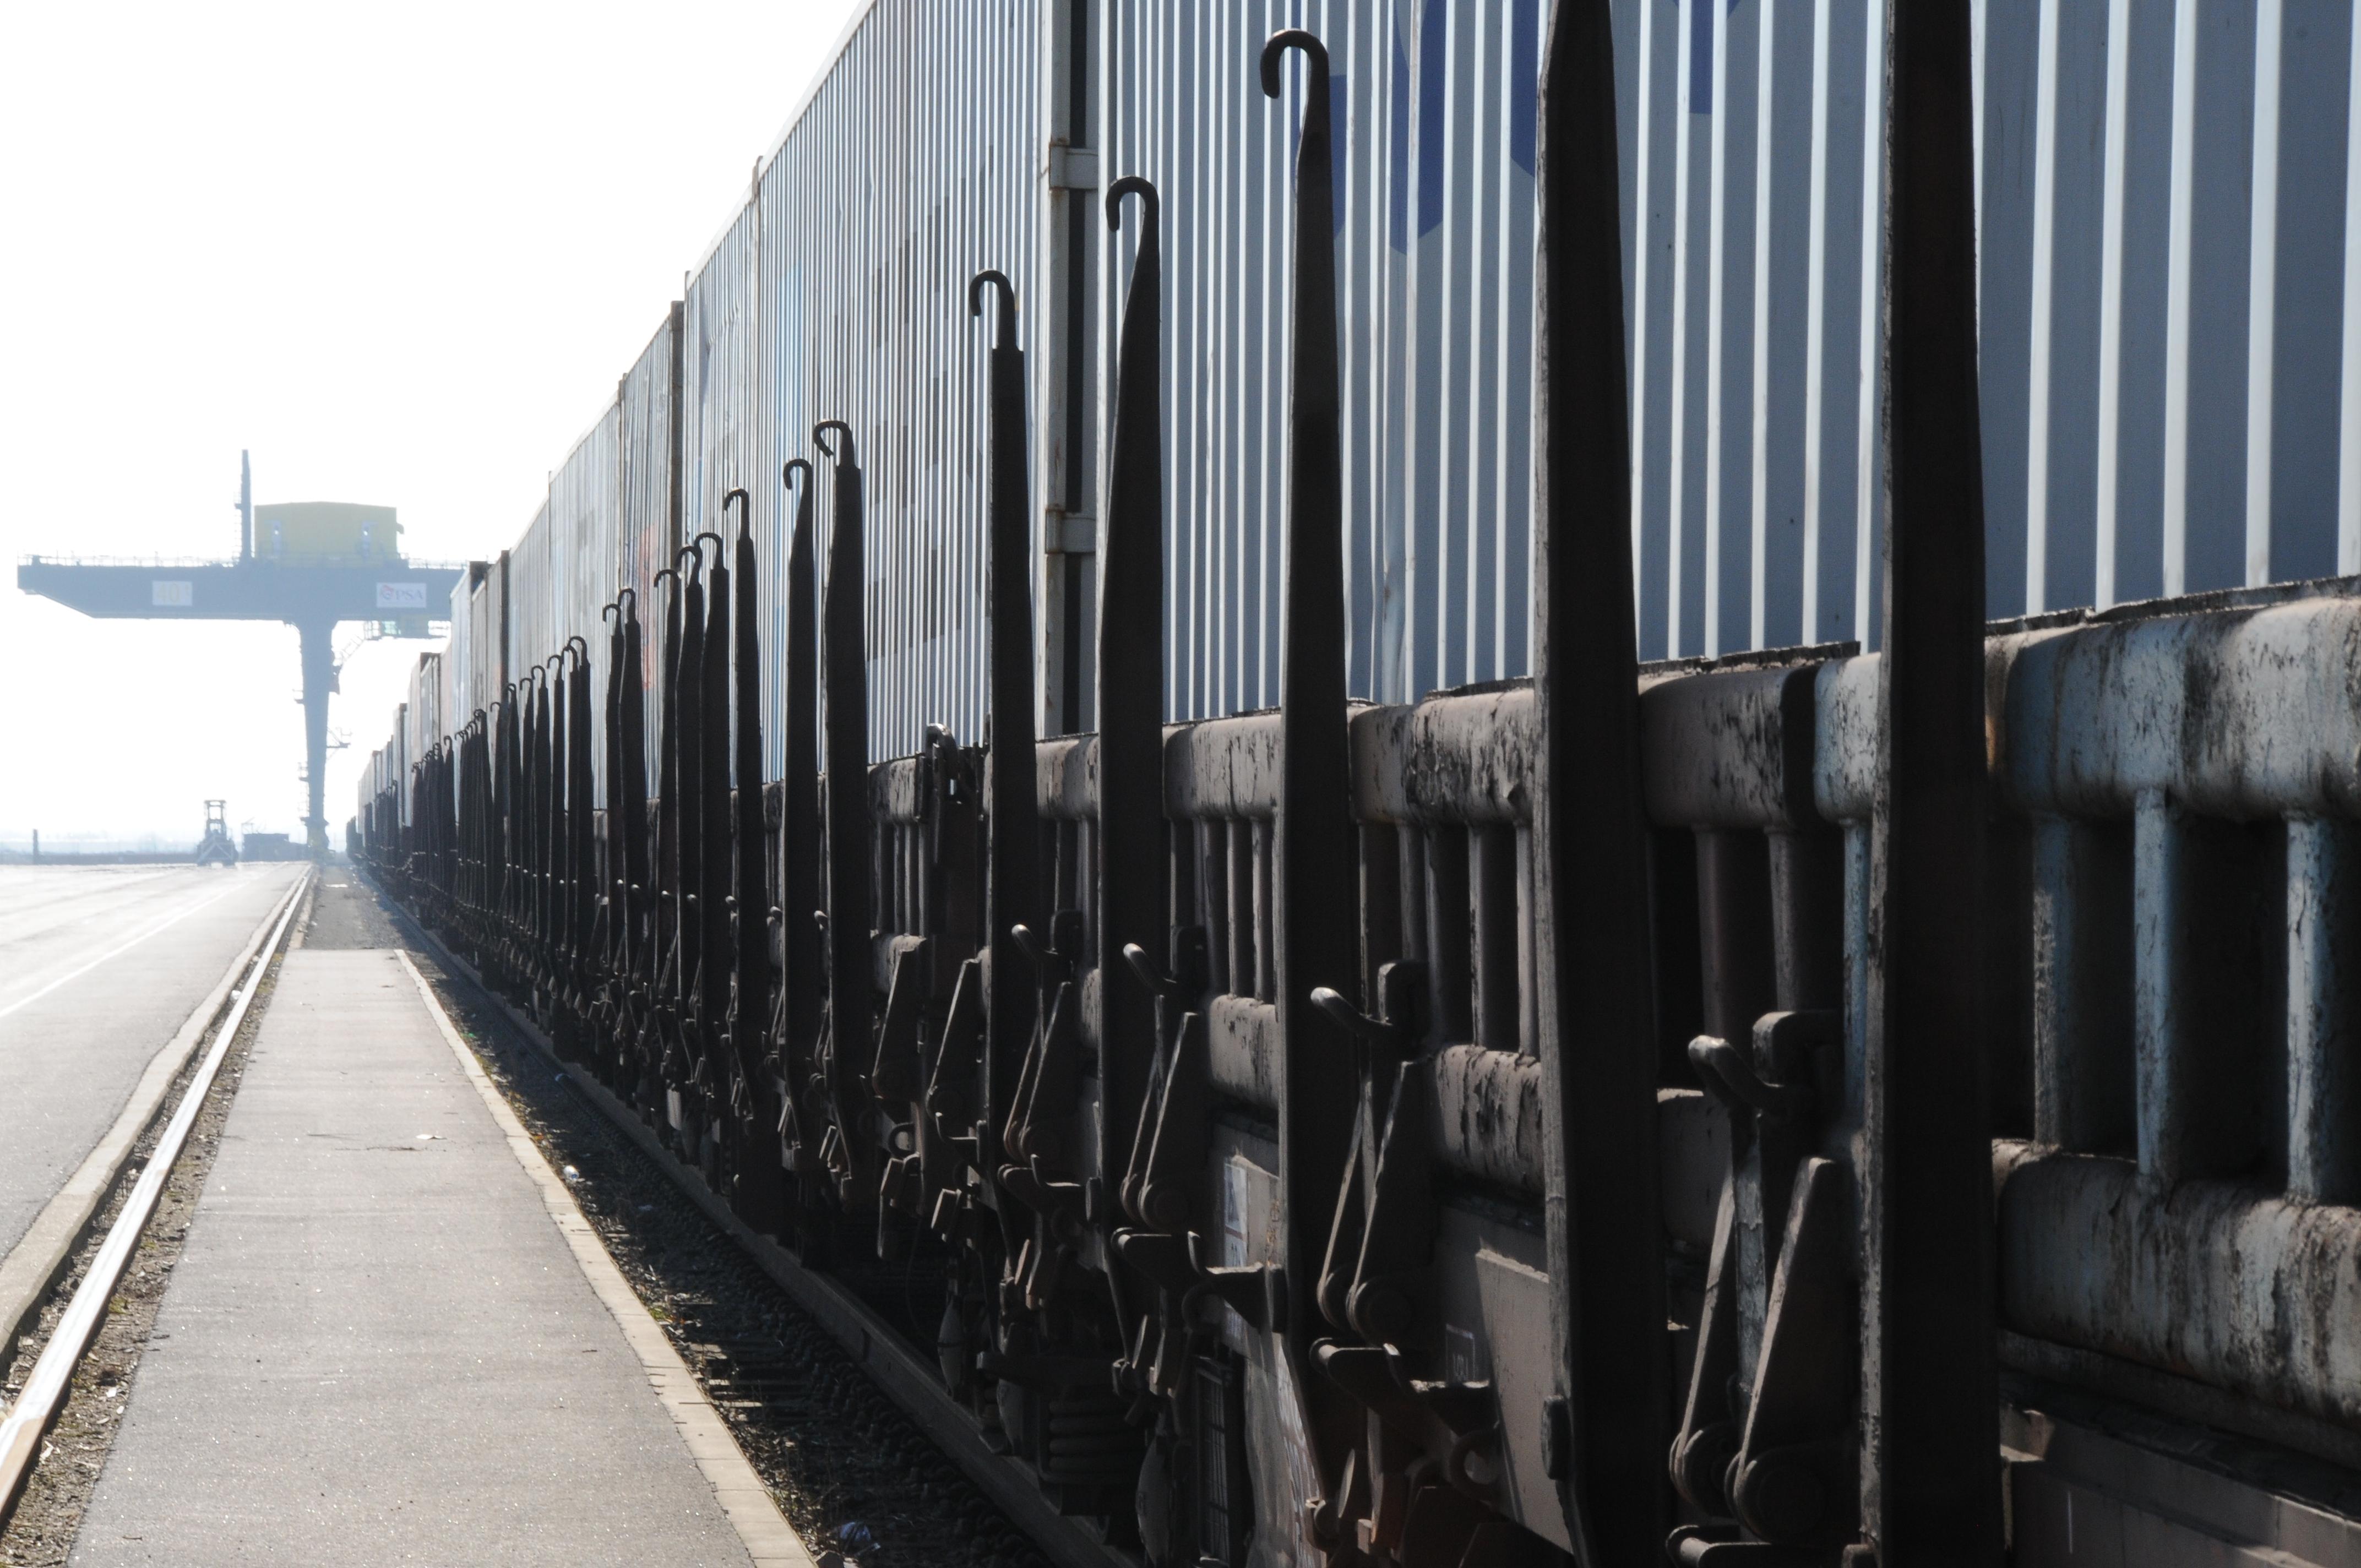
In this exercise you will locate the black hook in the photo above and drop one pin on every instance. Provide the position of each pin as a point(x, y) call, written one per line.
point(720, 549)
point(1315, 61)
point(695, 551)
point(820, 439)
point(1135, 185)
point(627, 593)
point(788, 474)
point(745, 509)
point(975, 287)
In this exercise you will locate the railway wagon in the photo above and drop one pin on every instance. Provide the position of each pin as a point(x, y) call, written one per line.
point(1813, 1104)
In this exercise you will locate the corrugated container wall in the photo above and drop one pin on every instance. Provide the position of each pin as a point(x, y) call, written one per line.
point(841, 294)
point(1434, 243)
point(2164, 343)
point(397, 763)
point(479, 626)
point(2171, 384)
point(423, 712)
point(643, 460)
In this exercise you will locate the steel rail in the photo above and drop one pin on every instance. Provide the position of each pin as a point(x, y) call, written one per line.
point(30, 1417)
point(876, 1349)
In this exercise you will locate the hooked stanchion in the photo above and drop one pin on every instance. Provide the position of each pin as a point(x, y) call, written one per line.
point(581, 874)
point(631, 981)
point(1927, 1332)
point(1313, 872)
point(1134, 868)
point(717, 873)
point(613, 944)
point(1604, 1414)
point(664, 914)
point(797, 1032)
point(1013, 892)
point(683, 1058)
point(850, 979)
point(759, 1191)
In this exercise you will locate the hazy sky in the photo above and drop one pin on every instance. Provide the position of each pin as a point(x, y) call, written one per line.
point(400, 253)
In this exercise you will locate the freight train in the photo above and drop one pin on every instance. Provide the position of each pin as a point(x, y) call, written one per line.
point(1808, 1106)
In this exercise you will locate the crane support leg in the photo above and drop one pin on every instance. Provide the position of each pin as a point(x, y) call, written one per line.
point(319, 680)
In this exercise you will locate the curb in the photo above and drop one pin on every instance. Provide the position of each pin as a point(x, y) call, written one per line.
point(764, 1531)
point(873, 1345)
point(41, 1256)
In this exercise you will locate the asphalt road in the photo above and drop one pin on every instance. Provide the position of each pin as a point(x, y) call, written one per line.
point(99, 968)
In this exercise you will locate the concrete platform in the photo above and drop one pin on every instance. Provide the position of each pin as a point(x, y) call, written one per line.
point(385, 1343)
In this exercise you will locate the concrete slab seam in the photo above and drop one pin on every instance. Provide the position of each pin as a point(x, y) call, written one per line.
point(745, 1501)
point(33, 1265)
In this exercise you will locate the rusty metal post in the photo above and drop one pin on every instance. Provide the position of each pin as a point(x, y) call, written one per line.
point(852, 982)
point(543, 763)
point(1609, 1413)
point(719, 869)
point(1930, 1386)
point(804, 982)
point(506, 796)
point(752, 997)
point(614, 930)
point(582, 887)
point(759, 1190)
point(546, 754)
point(688, 779)
point(1134, 867)
point(1315, 879)
point(525, 916)
point(663, 922)
point(1012, 806)
point(552, 852)
point(631, 819)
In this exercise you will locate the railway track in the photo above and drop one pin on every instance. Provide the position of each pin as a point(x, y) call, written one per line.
point(97, 1272)
point(832, 1396)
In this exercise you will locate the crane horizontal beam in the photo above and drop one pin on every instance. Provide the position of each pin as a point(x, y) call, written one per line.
point(244, 590)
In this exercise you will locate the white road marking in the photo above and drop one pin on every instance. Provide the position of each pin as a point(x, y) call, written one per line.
point(103, 957)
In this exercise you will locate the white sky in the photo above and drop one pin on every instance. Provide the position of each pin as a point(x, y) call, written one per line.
point(400, 253)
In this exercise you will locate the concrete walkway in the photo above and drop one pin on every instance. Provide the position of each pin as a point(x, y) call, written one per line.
point(379, 1347)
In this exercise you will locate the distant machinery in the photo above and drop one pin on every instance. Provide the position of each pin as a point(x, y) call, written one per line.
point(270, 847)
point(214, 849)
point(309, 563)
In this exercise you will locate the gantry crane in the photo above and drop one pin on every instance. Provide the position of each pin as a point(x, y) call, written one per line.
point(312, 565)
